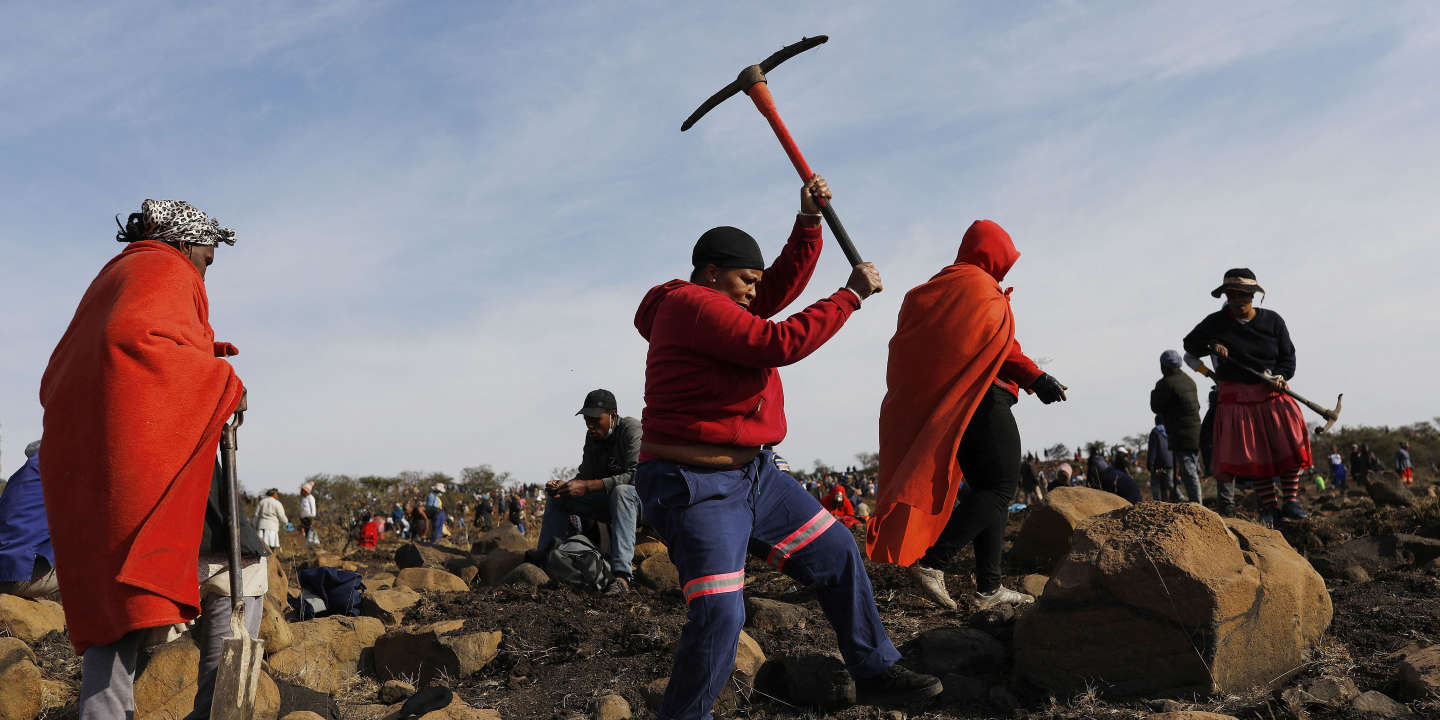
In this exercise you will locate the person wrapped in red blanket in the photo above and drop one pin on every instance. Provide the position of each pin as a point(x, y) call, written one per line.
point(839, 505)
point(135, 395)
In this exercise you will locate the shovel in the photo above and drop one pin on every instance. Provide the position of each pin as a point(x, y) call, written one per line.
point(240, 655)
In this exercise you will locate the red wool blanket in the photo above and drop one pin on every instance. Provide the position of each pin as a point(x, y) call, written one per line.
point(135, 395)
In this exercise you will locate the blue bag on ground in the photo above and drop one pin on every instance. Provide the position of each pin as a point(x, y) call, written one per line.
point(337, 591)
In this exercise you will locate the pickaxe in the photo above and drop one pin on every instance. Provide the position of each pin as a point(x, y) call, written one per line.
point(1330, 415)
point(751, 81)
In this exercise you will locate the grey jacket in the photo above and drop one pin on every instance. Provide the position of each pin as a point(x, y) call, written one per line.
point(612, 459)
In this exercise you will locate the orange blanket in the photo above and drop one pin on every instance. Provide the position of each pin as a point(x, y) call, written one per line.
point(134, 398)
point(954, 332)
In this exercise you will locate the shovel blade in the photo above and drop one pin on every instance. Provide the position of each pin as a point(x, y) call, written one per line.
point(237, 678)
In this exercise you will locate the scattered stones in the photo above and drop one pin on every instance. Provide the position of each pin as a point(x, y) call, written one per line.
point(326, 652)
point(1386, 488)
point(1421, 549)
point(526, 574)
point(1371, 554)
point(1420, 670)
point(274, 630)
point(393, 691)
point(302, 715)
point(1044, 537)
point(818, 681)
point(767, 615)
point(1332, 691)
point(748, 660)
point(959, 650)
point(964, 689)
point(29, 619)
point(1377, 704)
point(468, 573)
point(379, 581)
point(612, 707)
point(408, 556)
point(433, 650)
point(1169, 600)
point(429, 579)
point(1190, 715)
point(659, 573)
point(279, 586)
point(1034, 585)
point(458, 565)
point(501, 538)
point(497, 564)
point(654, 693)
point(20, 688)
point(389, 606)
point(646, 549)
point(165, 686)
point(1355, 573)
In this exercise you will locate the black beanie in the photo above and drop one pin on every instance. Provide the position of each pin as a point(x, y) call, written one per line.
point(727, 247)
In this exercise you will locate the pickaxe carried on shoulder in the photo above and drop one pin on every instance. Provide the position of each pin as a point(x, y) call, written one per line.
point(752, 82)
point(1330, 415)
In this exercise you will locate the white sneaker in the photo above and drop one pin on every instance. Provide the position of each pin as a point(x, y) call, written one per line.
point(932, 585)
point(1002, 596)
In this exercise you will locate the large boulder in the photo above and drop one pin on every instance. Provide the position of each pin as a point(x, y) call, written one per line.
point(29, 619)
point(327, 651)
point(496, 564)
point(429, 579)
point(274, 630)
point(279, 588)
point(501, 538)
point(1387, 488)
point(389, 606)
point(408, 556)
point(1170, 600)
point(166, 683)
point(435, 650)
point(1045, 534)
point(1420, 670)
point(20, 687)
point(659, 573)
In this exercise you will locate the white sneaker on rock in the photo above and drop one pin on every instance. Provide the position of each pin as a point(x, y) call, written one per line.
point(1001, 596)
point(932, 585)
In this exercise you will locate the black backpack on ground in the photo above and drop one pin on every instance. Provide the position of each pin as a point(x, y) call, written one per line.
point(577, 562)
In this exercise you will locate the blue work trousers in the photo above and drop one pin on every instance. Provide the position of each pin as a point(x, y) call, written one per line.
point(618, 507)
point(709, 520)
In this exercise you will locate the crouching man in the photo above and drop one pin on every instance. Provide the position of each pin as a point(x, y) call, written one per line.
point(603, 488)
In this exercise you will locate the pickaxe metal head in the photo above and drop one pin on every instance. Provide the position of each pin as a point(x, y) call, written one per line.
point(751, 75)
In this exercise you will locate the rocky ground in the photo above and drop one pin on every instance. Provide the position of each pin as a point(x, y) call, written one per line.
point(511, 644)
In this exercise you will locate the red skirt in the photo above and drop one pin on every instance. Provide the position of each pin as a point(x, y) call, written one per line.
point(1259, 432)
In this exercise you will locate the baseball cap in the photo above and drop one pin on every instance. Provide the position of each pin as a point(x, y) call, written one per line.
point(598, 402)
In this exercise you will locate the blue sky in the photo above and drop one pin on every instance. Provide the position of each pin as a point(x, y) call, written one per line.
point(448, 212)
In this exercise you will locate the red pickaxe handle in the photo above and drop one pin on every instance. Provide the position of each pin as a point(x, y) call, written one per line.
point(760, 94)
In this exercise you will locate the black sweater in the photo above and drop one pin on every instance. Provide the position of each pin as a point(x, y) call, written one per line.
point(1262, 344)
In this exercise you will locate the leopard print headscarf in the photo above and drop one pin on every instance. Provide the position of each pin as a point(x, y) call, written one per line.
point(174, 221)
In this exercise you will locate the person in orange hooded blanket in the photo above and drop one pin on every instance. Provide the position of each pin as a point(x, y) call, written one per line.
point(135, 395)
point(839, 505)
point(955, 370)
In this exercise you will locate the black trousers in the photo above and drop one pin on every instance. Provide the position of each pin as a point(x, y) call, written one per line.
point(989, 456)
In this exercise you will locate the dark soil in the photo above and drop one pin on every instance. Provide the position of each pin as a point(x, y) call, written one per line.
point(563, 649)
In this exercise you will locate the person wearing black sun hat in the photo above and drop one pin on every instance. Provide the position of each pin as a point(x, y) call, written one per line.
point(1259, 432)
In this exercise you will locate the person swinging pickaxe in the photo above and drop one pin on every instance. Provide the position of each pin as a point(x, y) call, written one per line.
point(751, 81)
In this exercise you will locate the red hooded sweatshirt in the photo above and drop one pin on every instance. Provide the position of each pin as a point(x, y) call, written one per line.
point(987, 246)
point(710, 375)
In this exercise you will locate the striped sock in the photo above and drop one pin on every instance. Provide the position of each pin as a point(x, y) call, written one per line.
point(1290, 487)
point(1265, 491)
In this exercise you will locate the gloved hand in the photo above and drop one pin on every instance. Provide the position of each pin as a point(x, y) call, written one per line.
point(1048, 389)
